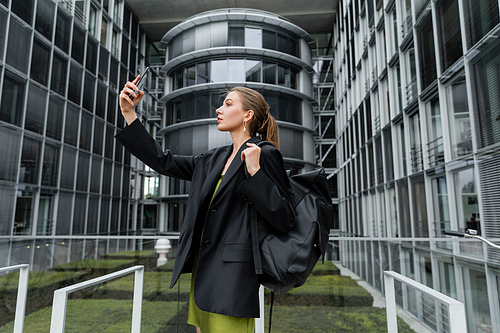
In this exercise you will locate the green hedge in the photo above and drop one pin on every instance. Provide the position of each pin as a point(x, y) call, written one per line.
point(168, 267)
point(326, 268)
point(156, 287)
point(312, 319)
point(131, 254)
point(327, 290)
point(102, 316)
point(100, 265)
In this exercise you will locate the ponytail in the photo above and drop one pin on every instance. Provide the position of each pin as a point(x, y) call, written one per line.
point(269, 131)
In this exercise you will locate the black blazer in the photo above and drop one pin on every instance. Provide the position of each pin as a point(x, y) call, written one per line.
point(225, 281)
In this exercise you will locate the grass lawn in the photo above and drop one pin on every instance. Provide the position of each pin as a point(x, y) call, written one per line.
point(312, 319)
point(100, 264)
point(102, 316)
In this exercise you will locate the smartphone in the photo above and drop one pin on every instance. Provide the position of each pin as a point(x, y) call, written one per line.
point(139, 83)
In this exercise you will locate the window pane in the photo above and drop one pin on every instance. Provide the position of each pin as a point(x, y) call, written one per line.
point(460, 125)
point(98, 136)
point(481, 16)
point(7, 197)
point(269, 73)
point(202, 37)
point(11, 109)
point(30, 161)
point(485, 92)
point(253, 37)
point(55, 117)
point(103, 63)
point(203, 72)
point(236, 71)
point(219, 34)
point(190, 73)
point(91, 62)
point(78, 45)
point(23, 9)
point(63, 29)
point(50, 167)
point(63, 223)
point(93, 216)
point(269, 40)
point(450, 39)
point(58, 82)
point(18, 57)
point(71, 128)
point(40, 62)
point(95, 177)
point(9, 150)
point(75, 83)
point(79, 215)
point(35, 112)
point(108, 152)
point(89, 92)
point(82, 177)
point(3, 31)
point(106, 177)
point(468, 209)
point(45, 18)
point(236, 36)
point(219, 70)
point(102, 92)
point(252, 68)
point(426, 51)
point(45, 221)
point(23, 220)
point(188, 40)
point(283, 44)
point(112, 99)
point(86, 131)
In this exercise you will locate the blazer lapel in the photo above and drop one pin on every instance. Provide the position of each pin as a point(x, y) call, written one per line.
point(213, 176)
point(235, 165)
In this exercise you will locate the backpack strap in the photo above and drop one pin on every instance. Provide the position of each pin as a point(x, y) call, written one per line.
point(255, 240)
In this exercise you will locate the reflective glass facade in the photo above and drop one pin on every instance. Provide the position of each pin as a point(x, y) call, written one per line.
point(417, 148)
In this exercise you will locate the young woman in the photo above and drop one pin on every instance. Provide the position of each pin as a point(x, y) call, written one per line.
point(215, 239)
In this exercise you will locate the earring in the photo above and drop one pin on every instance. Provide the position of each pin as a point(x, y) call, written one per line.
point(244, 126)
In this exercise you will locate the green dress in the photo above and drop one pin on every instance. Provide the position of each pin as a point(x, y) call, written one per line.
point(213, 322)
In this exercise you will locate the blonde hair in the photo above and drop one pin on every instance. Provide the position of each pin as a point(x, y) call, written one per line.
point(262, 122)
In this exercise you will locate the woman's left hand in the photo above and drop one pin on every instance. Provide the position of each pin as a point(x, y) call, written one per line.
point(251, 156)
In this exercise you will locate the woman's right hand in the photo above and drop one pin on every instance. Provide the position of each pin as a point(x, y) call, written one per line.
point(128, 104)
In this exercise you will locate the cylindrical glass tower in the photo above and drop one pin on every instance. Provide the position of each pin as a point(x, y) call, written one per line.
point(214, 51)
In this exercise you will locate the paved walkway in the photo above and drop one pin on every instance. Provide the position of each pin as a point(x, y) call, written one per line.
point(379, 300)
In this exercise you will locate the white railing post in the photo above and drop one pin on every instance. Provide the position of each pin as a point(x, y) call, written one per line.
point(60, 302)
point(390, 304)
point(456, 309)
point(259, 322)
point(137, 307)
point(22, 294)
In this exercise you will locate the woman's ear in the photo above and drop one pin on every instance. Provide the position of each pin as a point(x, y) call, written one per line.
point(249, 115)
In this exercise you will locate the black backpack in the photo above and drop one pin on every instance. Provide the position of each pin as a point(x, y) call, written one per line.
point(284, 261)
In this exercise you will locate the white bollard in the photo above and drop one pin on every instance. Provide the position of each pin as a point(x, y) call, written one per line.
point(162, 247)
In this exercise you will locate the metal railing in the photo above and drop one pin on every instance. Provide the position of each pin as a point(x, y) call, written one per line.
point(22, 292)
point(450, 313)
point(60, 301)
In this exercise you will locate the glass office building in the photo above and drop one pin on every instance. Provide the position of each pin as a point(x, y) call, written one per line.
point(64, 175)
point(416, 100)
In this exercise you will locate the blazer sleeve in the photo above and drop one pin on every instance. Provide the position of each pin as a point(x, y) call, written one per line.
point(139, 143)
point(267, 191)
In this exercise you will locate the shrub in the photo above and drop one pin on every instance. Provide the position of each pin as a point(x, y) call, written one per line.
point(101, 265)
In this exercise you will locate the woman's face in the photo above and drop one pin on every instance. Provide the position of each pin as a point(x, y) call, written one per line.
point(230, 115)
